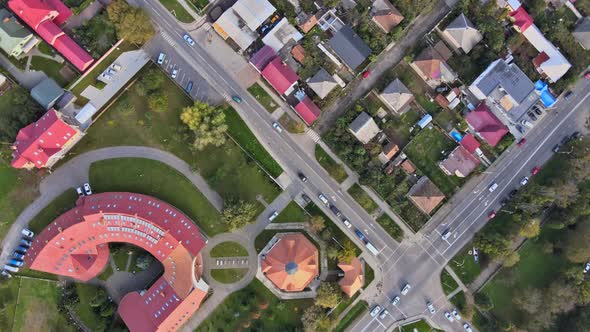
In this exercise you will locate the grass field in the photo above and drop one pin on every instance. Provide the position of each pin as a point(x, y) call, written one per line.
point(228, 276)
point(18, 188)
point(459, 301)
point(391, 227)
point(177, 10)
point(425, 152)
point(361, 197)
point(8, 294)
point(448, 283)
point(355, 312)
point(49, 67)
point(291, 213)
point(150, 177)
point(228, 249)
point(83, 310)
point(263, 97)
point(62, 203)
point(465, 266)
point(398, 128)
point(419, 326)
point(335, 170)
point(256, 308)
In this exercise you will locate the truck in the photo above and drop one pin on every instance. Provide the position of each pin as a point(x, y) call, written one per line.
point(372, 249)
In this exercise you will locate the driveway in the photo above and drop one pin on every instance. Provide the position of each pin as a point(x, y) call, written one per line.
point(27, 79)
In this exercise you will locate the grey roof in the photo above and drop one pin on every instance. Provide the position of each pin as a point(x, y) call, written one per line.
point(396, 95)
point(509, 77)
point(582, 33)
point(47, 92)
point(349, 47)
point(464, 33)
point(364, 127)
point(11, 31)
point(322, 83)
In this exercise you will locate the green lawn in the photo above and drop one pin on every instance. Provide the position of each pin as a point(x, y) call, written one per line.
point(335, 170)
point(108, 271)
point(228, 276)
point(263, 97)
point(425, 152)
point(398, 127)
point(448, 283)
point(291, 213)
point(391, 227)
point(228, 249)
point(343, 305)
point(83, 310)
point(256, 308)
point(37, 307)
point(8, 294)
point(465, 266)
point(200, 4)
point(51, 68)
point(361, 197)
point(239, 131)
point(18, 188)
point(177, 10)
point(419, 326)
point(150, 177)
point(62, 203)
point(369, 274)
point(227, 169)
point(459, 301)
point(355, 312)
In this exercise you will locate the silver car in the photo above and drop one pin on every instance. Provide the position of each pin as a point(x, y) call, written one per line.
point(375, 311)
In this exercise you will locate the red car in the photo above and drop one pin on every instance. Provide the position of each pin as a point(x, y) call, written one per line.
point(536, 170)
point(492, 215)
point(366, 73)
point(521, 142)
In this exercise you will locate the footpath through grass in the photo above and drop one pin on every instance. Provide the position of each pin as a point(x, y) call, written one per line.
point(228, 249)
point(228, 276)
point(263, 97)
point(335, 170)
point(177, 10)
point(448, 282)
point(153, 178)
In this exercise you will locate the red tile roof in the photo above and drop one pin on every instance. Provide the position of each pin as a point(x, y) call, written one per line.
point(40, 140)
point(307, 110)
point(470, 143)
point(522, 19)
point(459, 163)
point(539, 59)
point(489, 127)
point(279, 75)
point(308, 24)
point(76, 245)
point(44, 16)
point(353, 278)
point(298, 53)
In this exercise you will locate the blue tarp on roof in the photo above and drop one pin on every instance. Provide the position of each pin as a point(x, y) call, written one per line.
point(425, 121)
point(546, 97)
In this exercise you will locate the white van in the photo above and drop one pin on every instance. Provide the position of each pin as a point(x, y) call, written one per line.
point(13, 269)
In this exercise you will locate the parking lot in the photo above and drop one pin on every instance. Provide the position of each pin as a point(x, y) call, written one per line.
point(200, 90)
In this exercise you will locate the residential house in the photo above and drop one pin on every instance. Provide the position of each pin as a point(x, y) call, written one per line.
point(280, 76)
point(322, 83)
point(46, 93)
point(298, 53)
point(330, 21)
point(308, 24)
point(262, 57)
point(282, 34)
point(459, 162)
point(364, 128)
point(385, 15)
point(470, 143)
point(431, 65)
point(15, 39)
point(408, 166)
point(349, 47)
point(45, 17)
point(425, 195)
point(462, 34)
point(506, 87)
point(396, 97)
point(307, 110)
point(550, 62)
point(42, 143)
point(389, 151)
point(240, 21)
point(582, 33)
point(353, 278)
point(483, 122)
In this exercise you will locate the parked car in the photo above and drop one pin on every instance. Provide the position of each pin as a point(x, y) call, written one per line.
point(324, 199)
point(375, 311)
point(237, 99)
point(556, 148)
point(366, 73)
point(347, 223)
point(532, 116)
point(306, 198)
point(302, 177)
point(430, 307)
point(174, 73)
point(521, 142)
point(493, 187)
point(395, 300)
point(25, 242)
point(383, 314)
point(360, 234)
point(565, 140)
point(492, 215)
point(6, 274)
point(449, 317)
point(535, 170)
point(475, 255)
point(87, 189)
point(537, 110)
point(335, 211)
point(446, 234)
point(568, 94)
point(79, 191)
point(512, 193)
point(188, 39)
point(406, 289)
point(13, 269)
point(456, 314)
point(189, 87)
point(18, 255)
point(576, 135)
point(441, 89)
point(277, 127)
point(524, 181)
point(161, 58)
point(27, 233)
point(520, 129)
point(526, 123)
point(16, 262)
point(587, 268)
point(467, 327)
point(273, 216)
point(22, 249)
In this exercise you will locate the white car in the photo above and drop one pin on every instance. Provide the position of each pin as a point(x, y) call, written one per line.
point(80, 191)
point(161, 58)
point(174, 73)
point(446, 235)
point(347, 223)
point(467, 327)
point(449, 317)
point(188, 39)
point(493, 187)
point(475, 254)
point(273, 216)
point(375, 311)
point(384, 314)
point(430, 307)
point(277, 127)
point(87, 189)
point(524, 181)
point(323, 199)
point(406, 289)
point(395, 300)
point(27, 233)
point(456, 314)
point(587, 268)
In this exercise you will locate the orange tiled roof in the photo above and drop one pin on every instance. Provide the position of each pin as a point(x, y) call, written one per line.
point(353, 278)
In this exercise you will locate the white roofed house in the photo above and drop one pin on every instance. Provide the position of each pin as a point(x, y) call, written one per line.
point(240, 21)
point(281, 34)
point(396, 97)
point(322, 83)
point(462, 34)
point(364, 128)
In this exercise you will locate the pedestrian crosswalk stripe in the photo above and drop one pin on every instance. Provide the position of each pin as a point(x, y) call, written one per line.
point(314, 136)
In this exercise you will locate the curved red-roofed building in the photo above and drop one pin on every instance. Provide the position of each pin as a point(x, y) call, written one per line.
point(291, 263)
point(76, 245)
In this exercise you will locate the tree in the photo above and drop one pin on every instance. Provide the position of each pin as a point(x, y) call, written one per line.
point(530, 300)
point(158, 101)
point(483, 302)
point(348, 251)
point(493, 244)
point(237, 214)
point(317, 224)
point(314, 319)
point(99, 299)
point(511, 259)
point(143, 261)
point(207, 122)
point(328, 295)
point(332, 252)
point(131, 23)
point(326, 234)
point(531, 229)
point(577, 245)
